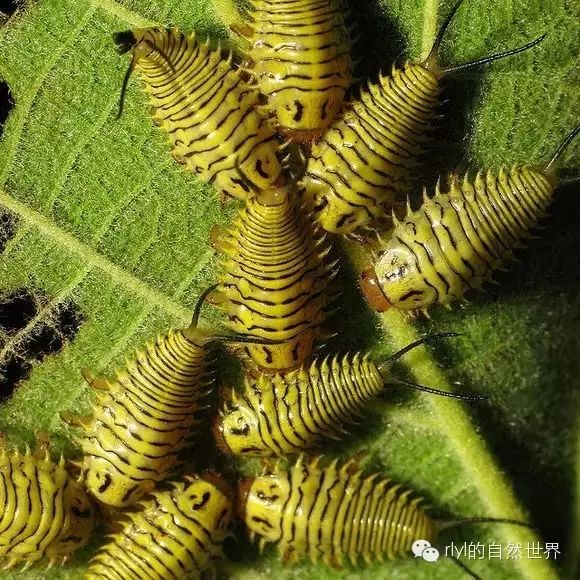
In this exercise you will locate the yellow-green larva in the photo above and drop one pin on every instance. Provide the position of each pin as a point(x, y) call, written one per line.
point(174, 534)
point(44, 512)
point(458, 238)
point(293, 412)
point(300, 55)
point(371, 153)
point(143, 418)
point(209, 112)
point(332, 512)
point(275, 280)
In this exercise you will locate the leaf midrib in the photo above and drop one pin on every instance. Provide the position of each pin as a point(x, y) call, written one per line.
point(94, 259)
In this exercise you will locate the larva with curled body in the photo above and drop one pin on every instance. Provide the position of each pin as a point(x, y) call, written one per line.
point(174, 534)
point(290, 413)
point(209, 112)
point(458, 238)
point(371, 154)
point(332, 512)
point(143, 419)
point(300, 55)
point(44, 513)
point(275, 279)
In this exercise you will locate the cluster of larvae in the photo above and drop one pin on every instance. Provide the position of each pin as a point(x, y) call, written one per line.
point(272, 130)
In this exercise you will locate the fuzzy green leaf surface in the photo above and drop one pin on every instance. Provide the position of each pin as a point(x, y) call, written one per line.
point(105, 222)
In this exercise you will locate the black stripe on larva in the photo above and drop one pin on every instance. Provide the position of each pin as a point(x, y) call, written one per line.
point(108, 480)
point(299, 109)
point(409, 294)
point(262, 521)
point(128, 493)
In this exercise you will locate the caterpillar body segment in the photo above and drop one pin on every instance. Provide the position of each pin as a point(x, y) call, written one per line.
point(329, 513)
point(458, 238)
point(333, 512)
point(174, 534)
point(370, 155)
point(274, 284)
point(300, 54)
point(143, 418)
point(289, 413)
point(210, 113)
point(43, 511)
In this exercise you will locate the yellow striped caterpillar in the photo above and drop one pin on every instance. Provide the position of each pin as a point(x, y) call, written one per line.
point(143, 418)
point(300, 58)
point(289, 413)
point(458, 238)
point(275, 279)
point(43, 511)
point(332, 512)
point(209, 112)
point(174, 534)
point(370, 154)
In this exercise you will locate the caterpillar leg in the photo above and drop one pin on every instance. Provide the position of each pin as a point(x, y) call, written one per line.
point(42, 450)
point(99, 383)
point(217, 298)
point(362, 238)
point(74, 420)
point(244, 31)
point(216, 237)
point(333, 561)
point(353, 465)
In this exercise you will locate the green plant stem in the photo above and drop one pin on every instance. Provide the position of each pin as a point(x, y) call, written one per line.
point(480, 468)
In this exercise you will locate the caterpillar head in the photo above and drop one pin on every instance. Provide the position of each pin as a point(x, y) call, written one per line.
point(332, 213)
point(303, 117)
point(395, 280)
point(260, 502)
point(112, 488)
point(207, 499)
point(81, 521)
point(236, 431)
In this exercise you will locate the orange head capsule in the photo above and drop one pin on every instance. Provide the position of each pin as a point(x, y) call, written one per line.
point(372, 291)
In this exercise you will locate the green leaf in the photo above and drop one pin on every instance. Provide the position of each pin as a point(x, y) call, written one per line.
point(106, 225)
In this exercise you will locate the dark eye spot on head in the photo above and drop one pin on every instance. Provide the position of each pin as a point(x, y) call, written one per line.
point(295, 352)
point(107, 480)
point(204, 499)
point(299, 110)
point(243, 431)
point(268, 353)
point(260, 170)
point(267, 498)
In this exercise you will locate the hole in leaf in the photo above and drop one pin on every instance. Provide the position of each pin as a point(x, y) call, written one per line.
point(6, 103)
point(11, 373)
point(45, 339)
point(49, 338)
point(16, 310)
point(8, 7)
point(8, 224)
